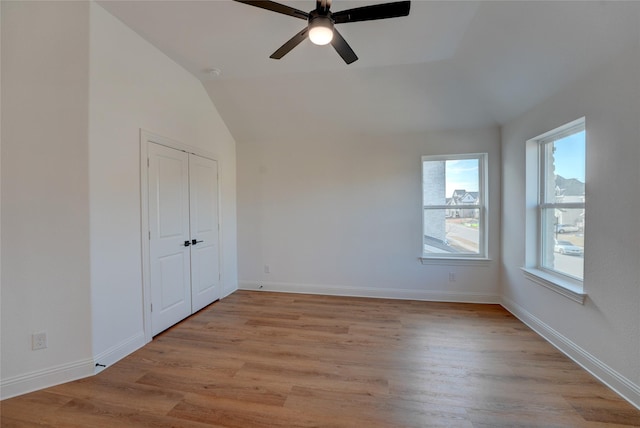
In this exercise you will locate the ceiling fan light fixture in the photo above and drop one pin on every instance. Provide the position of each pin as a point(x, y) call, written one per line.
point(321, 20)
point(321, 30)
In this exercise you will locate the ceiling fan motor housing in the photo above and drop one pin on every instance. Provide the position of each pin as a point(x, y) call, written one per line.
point(317, 19)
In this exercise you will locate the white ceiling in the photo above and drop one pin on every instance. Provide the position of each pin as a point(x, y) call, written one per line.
point(449, 64)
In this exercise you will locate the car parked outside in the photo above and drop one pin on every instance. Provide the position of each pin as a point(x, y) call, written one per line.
point(566, 247)
point(566, 228)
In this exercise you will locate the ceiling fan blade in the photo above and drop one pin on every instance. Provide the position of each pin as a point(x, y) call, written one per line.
point(292, 43)
point(376, 11)
point(342, 47)
point(276, 7)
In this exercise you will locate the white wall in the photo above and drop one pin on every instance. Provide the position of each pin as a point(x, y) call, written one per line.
point(77, 86)
point(45, 193)
point(604, 334)
point(133, 85)
point(343, 216)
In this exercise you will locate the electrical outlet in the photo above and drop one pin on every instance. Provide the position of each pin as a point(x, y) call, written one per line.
point(267, 269)
point(452, 277)
point(38, 341)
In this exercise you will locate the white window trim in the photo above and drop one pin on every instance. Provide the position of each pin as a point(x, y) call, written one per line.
point(453, 261)
point(480, 259)
point(551, 280)
point(565, 285)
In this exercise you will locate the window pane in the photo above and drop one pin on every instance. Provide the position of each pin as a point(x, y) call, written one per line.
point(447, 182)
point(563, 241)
point(453, 204)
point(463, 180)
point(565, 169)
point(452, 234)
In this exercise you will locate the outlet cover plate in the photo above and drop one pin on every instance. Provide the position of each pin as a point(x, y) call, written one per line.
point(38, 341)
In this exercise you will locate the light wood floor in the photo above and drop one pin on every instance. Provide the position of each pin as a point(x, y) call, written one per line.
point(283, 360)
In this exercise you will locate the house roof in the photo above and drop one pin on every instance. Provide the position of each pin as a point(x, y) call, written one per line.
point(448, 65)
point(474, 195)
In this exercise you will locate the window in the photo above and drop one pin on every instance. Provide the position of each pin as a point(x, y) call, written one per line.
point(561, 201)
point(454, 210)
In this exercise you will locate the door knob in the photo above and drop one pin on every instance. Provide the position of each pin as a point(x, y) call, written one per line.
point(194, 242)
point(187, 243)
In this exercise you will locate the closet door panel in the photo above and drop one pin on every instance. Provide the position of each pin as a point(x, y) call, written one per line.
point(169, 258)
point(205, 253)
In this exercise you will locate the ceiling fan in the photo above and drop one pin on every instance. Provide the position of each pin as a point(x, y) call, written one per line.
point(320, 23)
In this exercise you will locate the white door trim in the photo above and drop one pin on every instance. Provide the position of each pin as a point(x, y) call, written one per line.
point(147, 137)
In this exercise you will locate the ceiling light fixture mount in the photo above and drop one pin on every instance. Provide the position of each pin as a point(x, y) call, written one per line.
point(213, 72)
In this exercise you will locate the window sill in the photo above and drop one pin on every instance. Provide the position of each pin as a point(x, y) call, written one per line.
point(452, 261)
point(564, 287)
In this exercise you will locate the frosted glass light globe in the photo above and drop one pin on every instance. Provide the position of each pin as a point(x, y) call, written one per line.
point(320, 35)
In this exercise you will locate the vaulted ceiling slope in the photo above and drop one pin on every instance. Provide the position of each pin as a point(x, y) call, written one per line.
point(448, 65)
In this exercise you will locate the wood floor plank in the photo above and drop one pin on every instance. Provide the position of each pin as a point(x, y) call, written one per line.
point(599, 409)
point(237, 414)
point(342, 378)
point(80, 413)
point(103, 389)
point(9, 422)
point(258, 359)
point(22, 409)
point(245, 389)
point(377, 409)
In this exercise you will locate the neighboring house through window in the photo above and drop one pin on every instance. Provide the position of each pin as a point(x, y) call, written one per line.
point(454, 206)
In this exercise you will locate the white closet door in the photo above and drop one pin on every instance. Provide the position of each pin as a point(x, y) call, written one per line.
point(170, 273)
point(205, 252)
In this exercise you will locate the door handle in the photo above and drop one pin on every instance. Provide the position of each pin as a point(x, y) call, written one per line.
point(194, 242)
point(187, 243)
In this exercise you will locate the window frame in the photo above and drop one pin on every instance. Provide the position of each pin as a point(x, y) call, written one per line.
point(543, 203)
point(562, 283)
point(481, 206)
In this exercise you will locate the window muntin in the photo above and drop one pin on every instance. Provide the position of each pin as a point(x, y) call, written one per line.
point(561, 206)
point(454, 210)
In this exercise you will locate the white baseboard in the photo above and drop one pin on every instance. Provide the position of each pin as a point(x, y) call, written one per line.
point(52, 376)
point(228, 292)
point(119, 351)
point(614, 380)
point(45, 378)
point(383, 293)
